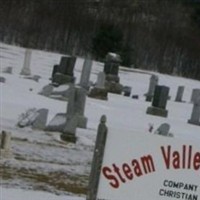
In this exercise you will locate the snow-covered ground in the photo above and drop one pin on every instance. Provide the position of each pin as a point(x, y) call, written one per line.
point(41, 161)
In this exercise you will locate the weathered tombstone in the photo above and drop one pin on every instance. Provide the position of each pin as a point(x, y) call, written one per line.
point(80, 107)
point(135, 96)
point(179, 94)
point(195, 116)
point(67, 65)
point(8, 70)
point(75, 111)
point(27, 118)
point(26, 70)
point(76, 105)
point(97, 159)
point(195, 95)
point(5, 150)
point(41, 120)
point(99, 91)
point(100, 80)
point(69, 132)
point(54, 71)
point(112, 63)
point(111, 69)
point(127, 91)
point(57, 124)
point(152, 84)
point(85, 75)
point(159, 102)
point(47, 90)
point(2, 79)
point(64, 72)
point(163, 129)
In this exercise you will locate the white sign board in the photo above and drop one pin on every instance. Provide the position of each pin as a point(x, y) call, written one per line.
point(148, 166)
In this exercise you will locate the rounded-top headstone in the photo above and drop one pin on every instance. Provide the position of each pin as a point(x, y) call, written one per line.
point(113, 57)
point(103, 119)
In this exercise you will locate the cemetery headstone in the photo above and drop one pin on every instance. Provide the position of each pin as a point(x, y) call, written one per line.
point(64, 72)
point(159, 102)
point(27, 118)
point(135, 96)
point(195, 95)
point(152, 84)
point(76, 105)
point(127, 91)
point(112, 63)
point(99, 91)
point(85, 75)
point(64, 122)
point(195, 116)
point(69, 132)
point(26, 70)
point(8, 70)
point(100, 80)
point(179, 94)
point(5, 148)
point(111, 69)
point(163, 129)
point(54, 71)
point(41, 120)
point(2, 79)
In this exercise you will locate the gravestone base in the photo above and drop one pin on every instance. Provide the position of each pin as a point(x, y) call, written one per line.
point(82, 122)
point(194, 122)
point(113, 87)
point(62, 79)
point(4, 153)
point(157, 111)
point(68, 137)
point(98, 93)
point(57, 124)
point(149, 98)
point(112, 78)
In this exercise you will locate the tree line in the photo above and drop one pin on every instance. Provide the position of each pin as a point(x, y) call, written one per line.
point(159, 35)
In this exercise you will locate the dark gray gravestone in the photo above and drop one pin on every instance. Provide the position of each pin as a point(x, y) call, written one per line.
point(179, 94)
point(67, 65)
point(195, 116)
point(41, 119)
point(195, 95)
point(97, 159)
point(8, 70)
point(2, 79)
point(5, 146)
point(127, 91)
point(85, 75)
point(163, 129)
point(159, 102)
point(76, 105)
point(54, 71)
point(152, 85)
point(112, 64)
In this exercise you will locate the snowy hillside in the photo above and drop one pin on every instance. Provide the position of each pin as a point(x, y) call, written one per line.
point(41, 161)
